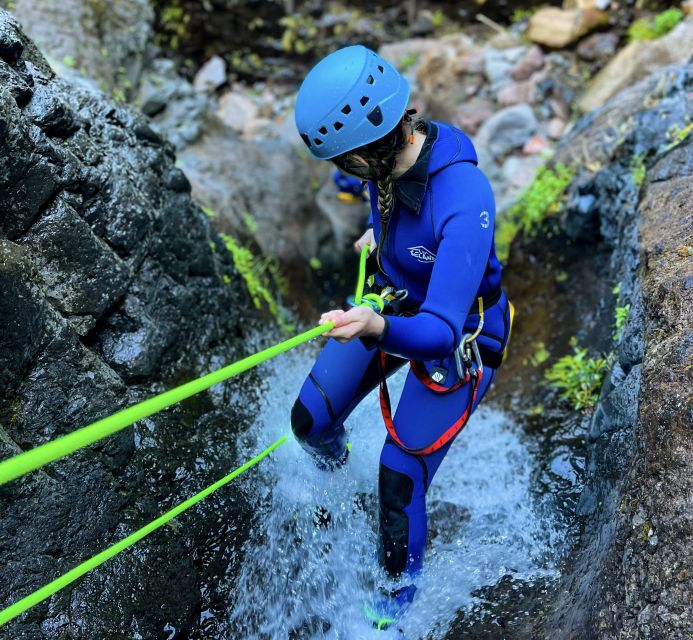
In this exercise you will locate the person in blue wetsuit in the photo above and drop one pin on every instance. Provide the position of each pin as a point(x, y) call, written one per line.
point(432, 216)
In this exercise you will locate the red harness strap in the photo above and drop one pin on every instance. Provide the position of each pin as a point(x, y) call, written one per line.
point(451, 432)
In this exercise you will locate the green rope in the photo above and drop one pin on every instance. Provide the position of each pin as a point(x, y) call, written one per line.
point(63, 581)
point(45, 453)
point(362, 275)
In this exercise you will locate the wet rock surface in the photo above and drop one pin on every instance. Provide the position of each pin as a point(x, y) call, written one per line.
point(113, 287)
point(632, 572)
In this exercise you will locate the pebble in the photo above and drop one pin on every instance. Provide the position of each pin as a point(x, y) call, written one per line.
point(211, 76)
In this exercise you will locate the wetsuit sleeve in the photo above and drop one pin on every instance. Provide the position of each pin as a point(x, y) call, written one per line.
point(465, 213)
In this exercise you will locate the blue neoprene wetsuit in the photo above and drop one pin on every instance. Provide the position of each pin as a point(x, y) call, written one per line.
point(439, 247)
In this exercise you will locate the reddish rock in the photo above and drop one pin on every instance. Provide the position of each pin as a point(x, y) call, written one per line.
point(536, 144)
point(471, 115)
point(530, 62)
point(514, 93)
point(598, 47)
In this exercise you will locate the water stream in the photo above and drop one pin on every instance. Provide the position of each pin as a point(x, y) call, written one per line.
point(300, 580)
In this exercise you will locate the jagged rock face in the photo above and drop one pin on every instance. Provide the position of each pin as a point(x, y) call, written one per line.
point(632, 572)
point(112, 288)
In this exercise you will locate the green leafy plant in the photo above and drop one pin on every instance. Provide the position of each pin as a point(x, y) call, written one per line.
point(648, 29)
point(578, 376)
point(620, 318)
point(261, 276)
point(539, 200)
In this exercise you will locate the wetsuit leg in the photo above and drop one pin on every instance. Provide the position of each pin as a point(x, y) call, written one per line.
point(421, 417)
point(341, 377)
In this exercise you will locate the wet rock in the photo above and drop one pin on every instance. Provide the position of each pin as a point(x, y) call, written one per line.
point(113, 287)
point(211, 76)
point(639, 460)
point(598, 47)
point(531, 61)
point(506, 130)
point(557, 28)
point(635, 62)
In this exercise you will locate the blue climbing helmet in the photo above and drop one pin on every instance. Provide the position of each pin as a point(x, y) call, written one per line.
point(350, 98)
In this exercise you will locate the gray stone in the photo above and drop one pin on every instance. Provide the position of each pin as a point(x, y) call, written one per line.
point(211, 76)
point(506, 130)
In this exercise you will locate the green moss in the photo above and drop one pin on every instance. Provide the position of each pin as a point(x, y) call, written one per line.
point(535, 410)
point(250, 223)
point(538, 201)
point(677, 135)
point(315, 263)
point(261, 276)
point(210, 213)
point(69, 61)
point(638, 169)
point(648, 29)
point(578, 376)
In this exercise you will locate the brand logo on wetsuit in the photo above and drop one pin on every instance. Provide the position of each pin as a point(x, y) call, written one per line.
point(422, 254)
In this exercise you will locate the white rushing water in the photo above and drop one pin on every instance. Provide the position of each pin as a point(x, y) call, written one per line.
point(303, 581)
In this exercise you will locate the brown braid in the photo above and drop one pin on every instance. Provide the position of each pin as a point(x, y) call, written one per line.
point(381, 157)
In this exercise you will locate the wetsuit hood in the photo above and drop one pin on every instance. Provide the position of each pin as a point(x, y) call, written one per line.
point(451, 146)
point(444, 145)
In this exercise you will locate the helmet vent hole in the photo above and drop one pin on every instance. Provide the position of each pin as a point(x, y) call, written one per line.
point(375, 117)
point(338, 126)
point(317, 142)
point(346, 109)
point(370, 79)
point(380, 68)
point(364, 101)
point(306, 139)
point(323, 130)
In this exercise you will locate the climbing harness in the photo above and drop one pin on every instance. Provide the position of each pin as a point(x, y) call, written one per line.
point(470, 369)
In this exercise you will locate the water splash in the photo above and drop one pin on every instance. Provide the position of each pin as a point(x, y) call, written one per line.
point(305, 581)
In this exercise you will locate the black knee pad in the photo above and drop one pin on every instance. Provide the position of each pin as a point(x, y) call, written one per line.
point(301, 420)
point(396, 490)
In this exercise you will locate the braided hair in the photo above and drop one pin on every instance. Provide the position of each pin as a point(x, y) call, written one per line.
point(381, 156)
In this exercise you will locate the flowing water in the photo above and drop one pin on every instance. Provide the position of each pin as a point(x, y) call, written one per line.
point(301, 580)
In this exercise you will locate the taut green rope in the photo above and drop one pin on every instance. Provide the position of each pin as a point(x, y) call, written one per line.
point(63, 581)
point(45, 453)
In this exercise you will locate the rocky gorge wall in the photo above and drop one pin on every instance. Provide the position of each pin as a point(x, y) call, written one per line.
point(628, 212)
point(113, 287)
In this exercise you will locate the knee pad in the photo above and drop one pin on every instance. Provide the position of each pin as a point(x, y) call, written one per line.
point(301, 420)
point(396, 490)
